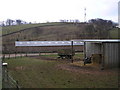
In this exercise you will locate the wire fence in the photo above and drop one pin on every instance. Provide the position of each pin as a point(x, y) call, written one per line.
point(7, 80)
point(21, 51)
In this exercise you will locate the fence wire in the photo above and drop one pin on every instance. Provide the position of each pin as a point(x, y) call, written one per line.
point(7, 80)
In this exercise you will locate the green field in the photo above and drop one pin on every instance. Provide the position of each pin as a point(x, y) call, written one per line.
point(34, 72)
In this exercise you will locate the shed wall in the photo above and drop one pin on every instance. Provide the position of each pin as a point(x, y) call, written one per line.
point(45, 49)
point(109, 51)
point(92, 48)
point(110, 54)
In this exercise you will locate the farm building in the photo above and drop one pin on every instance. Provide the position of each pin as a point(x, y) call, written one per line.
point(102, 52)
point(46, 46)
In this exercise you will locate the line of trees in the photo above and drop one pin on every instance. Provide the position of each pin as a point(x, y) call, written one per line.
point(65, 20)
point(96, 28)
point(98, 21)
point(104, 24)
point(10, 22)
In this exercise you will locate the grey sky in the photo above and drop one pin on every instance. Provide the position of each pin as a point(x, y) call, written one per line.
point(54, 10)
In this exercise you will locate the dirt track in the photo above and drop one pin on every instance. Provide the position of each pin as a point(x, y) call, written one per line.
point(18, 55)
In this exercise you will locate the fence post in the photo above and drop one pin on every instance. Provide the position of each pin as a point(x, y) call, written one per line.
point(17, 84)
point(72, 51)
point(21, 54)
point(3, 57)
point(39, 53)
point(9, 56)
point(26, 54)
point(15, 54)
point(84, 50)
point(7, 73)
point(15, 51)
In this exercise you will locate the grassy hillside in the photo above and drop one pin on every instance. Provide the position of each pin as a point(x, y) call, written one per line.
point(115, 33)
point(11, 29)
point(53, 31)
point(56, 31)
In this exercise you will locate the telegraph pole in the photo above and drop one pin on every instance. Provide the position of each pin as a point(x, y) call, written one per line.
point(84, 14)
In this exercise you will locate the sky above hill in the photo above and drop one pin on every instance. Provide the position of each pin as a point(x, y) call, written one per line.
point(55, 10)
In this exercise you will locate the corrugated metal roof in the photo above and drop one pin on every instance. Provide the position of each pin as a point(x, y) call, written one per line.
point(46, 43)
point(96, 40)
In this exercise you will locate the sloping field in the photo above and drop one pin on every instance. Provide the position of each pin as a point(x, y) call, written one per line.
point(48, 32)
point(115, 33)
point(15, 28)
point(37, 72)
point(52, 31)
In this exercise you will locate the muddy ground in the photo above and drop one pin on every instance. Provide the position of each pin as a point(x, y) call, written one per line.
point(77, 66)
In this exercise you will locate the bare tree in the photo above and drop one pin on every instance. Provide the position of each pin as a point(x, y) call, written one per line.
point(2, 24)
point(9, 22)
point(18, 21)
